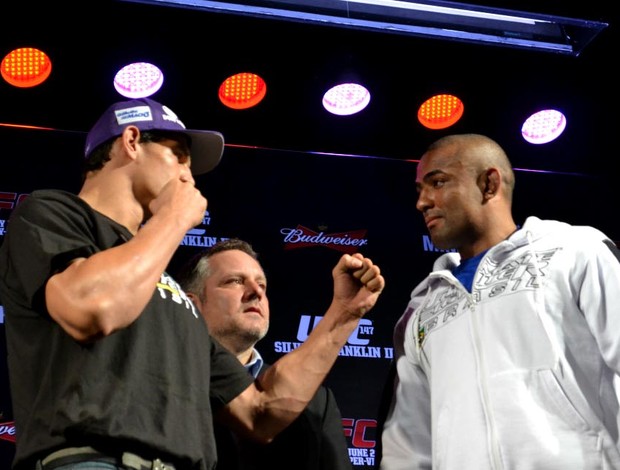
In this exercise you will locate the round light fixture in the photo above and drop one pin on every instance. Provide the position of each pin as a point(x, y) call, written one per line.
point(440, 111)
point(242, 90)
point(26, 67)
point(138, 80)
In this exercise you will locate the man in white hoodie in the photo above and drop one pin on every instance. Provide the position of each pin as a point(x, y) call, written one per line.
point(506, 354)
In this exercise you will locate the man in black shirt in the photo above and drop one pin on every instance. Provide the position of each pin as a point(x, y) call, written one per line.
point(109, 361)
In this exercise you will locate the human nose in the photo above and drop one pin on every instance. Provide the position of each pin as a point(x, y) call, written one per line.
point(424, 201)
point(255, 290)
point(186, 174)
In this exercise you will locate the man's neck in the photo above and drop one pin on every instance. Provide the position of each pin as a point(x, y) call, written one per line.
point(245, 356)
point(492, 238)
point(112, 198)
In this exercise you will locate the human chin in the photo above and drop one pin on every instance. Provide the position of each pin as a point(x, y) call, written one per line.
point(440, 240)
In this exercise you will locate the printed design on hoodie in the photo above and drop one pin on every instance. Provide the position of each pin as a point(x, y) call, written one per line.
point(521, 273)
point(492, 280)
point(441, 307)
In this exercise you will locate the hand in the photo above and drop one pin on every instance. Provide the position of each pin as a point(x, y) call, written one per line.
point(183, 199)
point(357, 284)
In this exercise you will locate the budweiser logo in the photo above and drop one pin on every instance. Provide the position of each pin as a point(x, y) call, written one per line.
point(302, 237)
point(7, 431)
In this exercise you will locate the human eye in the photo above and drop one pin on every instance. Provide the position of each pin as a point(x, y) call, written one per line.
point(182, 156)
point(438, 182)
point(234, 280)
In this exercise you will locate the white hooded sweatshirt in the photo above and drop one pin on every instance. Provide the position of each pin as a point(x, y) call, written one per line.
point(519, 374)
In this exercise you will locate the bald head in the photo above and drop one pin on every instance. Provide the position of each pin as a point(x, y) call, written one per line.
point(477, 153)
point(465, 184)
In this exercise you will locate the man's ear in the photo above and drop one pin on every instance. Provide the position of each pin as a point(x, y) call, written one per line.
point(193, 297)
point(195, 300)
point(130, 138)
point(491, 182)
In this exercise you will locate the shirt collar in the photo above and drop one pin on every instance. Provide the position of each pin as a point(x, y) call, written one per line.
point(255, 363)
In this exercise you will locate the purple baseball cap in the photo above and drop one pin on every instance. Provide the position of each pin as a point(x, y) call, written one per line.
point(206, 146)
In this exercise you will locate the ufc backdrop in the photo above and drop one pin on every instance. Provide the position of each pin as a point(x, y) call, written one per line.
point(302, 211)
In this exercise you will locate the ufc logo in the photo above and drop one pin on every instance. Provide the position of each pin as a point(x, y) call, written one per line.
point(356, 430)
point(364, 328)
point(10, 200)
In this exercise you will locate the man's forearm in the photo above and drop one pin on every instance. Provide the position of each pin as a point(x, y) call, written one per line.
point(291, 382)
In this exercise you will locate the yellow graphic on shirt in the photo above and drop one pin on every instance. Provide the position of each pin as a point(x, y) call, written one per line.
point(169, 288)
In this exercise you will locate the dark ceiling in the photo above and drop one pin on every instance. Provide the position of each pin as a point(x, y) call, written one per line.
point(89, 41)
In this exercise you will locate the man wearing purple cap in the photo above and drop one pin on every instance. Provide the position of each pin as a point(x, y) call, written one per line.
point(111, 366)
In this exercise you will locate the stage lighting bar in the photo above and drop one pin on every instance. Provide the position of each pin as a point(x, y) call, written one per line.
point(434, 19)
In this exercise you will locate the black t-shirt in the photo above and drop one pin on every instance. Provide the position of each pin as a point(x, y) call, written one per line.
point(149, 388)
